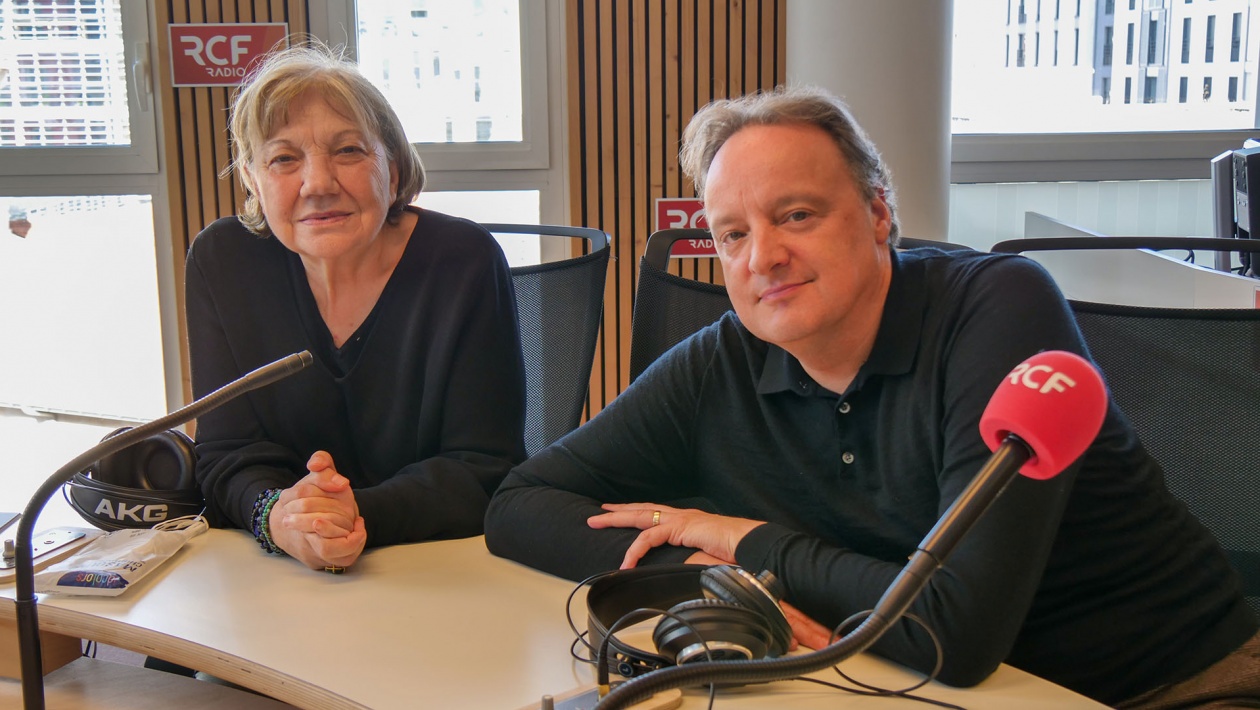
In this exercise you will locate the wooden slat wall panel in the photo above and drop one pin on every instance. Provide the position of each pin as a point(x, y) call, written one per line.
point(195, 123)
point(638, 71)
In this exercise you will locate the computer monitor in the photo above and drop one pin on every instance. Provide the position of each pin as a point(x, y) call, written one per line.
point(1236, 214)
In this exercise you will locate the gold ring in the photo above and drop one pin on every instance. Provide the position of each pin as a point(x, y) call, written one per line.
point(334, 570)
point(656, 518)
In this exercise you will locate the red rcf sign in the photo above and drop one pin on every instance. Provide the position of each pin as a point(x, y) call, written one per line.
point(684, 213)
point(221, 54)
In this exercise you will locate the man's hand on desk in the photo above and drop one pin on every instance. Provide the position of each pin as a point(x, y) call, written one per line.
point(317, 520)
point(716, 535)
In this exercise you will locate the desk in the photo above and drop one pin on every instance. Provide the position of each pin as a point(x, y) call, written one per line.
point(439, 624)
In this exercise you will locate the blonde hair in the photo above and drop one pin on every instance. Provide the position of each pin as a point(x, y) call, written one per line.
point(714, 124)
point(262, 106)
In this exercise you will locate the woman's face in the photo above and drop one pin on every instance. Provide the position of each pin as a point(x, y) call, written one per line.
point(324, 183)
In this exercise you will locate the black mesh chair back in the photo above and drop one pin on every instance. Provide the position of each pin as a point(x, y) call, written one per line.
point(559, 305)
point(912, 243)
point(668, 307)
point(1189, 380)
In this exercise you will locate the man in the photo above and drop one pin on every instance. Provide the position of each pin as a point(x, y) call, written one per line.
point(820, 431)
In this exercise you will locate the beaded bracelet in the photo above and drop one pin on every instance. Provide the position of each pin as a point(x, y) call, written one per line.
point(261, 522)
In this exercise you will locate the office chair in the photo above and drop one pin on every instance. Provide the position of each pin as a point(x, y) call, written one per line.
point(912, 243)
point(667, 307)
point(1189, 381)
point(1187, 244)
point(558, 306)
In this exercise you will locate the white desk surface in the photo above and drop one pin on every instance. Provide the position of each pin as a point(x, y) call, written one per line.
point(438, 624)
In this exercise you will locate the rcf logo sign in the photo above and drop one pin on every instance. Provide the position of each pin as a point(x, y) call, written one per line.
point(684, 213)
point(221, 54)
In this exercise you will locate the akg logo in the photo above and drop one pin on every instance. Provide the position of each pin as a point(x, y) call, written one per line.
point(152, 513)
point(1031, 376)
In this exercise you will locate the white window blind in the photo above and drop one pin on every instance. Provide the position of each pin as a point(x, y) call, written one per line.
point(63, 78)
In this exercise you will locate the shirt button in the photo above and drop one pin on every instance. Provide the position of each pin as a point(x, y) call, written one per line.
point(847, 457)
point(844, 408)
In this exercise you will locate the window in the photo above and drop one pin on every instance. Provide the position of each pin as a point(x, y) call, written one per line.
point(1235, 41)
point(65, 71)
point(1128, 89)
point(1211, 39)
point(1056, 48)
point(1128, 45)
point(1233, 89)
point(1207, 88)
point(477, 104)
point(87, 309)
point(1185, 40)
point(1072, 123)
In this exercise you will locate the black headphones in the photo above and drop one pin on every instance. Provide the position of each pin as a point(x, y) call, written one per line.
point(147, 483)
point(733, 611)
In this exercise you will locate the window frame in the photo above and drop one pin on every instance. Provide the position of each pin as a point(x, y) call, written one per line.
point(97, 170)
point(141, 156)
point(329, 20)
point(1047, 157)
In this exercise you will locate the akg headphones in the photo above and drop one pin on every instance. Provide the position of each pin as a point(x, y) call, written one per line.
point(146, 483)
point(732, 611)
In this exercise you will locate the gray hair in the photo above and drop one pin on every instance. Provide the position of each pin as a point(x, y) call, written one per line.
point(714, 124)
point(262, 106)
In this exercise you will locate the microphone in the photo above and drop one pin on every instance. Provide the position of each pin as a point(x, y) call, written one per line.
point(1043, 416)
point(29, 650)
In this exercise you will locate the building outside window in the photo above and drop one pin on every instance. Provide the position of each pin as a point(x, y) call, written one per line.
point(990, 99)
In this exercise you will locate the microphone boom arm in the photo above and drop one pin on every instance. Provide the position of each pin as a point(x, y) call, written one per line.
point(32, 663)
point(997, 473)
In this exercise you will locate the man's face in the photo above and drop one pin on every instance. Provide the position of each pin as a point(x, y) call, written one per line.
point(804, 254)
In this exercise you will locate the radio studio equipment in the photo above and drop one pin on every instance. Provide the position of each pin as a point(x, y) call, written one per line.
point(24, 568)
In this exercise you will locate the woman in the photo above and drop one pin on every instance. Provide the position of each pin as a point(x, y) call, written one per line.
point(413, 411)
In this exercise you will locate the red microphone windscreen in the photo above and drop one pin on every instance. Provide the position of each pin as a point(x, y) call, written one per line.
point(1055, 402)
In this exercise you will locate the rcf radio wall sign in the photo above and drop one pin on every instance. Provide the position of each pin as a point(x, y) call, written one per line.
point(684, 213)
point(221, 54)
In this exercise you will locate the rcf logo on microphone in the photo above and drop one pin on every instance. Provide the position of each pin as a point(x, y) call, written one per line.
point(1028, 376)
point(152, 513)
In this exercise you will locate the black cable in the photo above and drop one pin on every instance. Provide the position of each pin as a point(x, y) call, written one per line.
point(872, 693)
point(601, 662)
point(638, 616)
point(568, 613)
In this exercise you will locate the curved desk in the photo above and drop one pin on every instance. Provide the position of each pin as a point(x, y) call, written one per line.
point(438, 624)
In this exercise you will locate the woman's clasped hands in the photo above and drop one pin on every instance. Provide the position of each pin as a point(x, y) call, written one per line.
point(317, 521)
